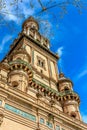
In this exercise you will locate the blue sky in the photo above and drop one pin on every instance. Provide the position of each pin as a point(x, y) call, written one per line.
point(67, 35)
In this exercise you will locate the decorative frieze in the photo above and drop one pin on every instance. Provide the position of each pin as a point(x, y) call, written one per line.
point(58, 96)
point(20, 112)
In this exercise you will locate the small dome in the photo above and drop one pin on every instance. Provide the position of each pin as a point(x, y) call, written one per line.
point(31, 23)
point(62, 78)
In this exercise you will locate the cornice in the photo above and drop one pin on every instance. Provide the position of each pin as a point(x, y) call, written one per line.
point(58, 96)
point(22, 35)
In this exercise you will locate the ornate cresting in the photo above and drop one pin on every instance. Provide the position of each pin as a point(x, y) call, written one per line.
point(69, 100)
point(20, 112)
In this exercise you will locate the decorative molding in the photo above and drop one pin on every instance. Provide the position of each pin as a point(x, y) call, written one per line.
point(20, 112)
point(58, 96)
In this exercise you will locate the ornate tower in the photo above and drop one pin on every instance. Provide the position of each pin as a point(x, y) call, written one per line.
point(33, 95)
point(69, 100)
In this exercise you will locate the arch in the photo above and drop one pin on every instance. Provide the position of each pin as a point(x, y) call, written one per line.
point(73, 114)
point(66, 88)
point(18, 58)
point(15, 84)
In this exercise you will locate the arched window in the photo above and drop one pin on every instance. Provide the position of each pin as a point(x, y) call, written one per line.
point(66, 88)
point(15, 84)
point(73, 114)
point(18, 58)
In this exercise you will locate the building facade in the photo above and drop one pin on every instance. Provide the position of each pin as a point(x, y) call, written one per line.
point(33, 94)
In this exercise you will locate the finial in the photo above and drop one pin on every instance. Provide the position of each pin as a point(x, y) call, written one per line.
point(61, 74)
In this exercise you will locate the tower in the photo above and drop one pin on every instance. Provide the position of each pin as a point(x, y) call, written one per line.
point(33, 95)
point(70, 100)
point(20, 73)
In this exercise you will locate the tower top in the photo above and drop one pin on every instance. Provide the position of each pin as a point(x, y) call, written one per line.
point(62, 78)
point(31, 23)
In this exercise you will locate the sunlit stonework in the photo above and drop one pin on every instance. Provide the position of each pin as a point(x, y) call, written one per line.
point(33, 95)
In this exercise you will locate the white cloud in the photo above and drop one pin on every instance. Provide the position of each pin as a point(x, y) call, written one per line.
point(10, 12)
point(4, 41)
point(82, 72)
point(27, 11)
point(60, 51)
point(84, 118)
point(10, 17)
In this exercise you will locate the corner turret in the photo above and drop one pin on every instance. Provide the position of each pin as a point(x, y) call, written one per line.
point(70, 100)
point(64, 83)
